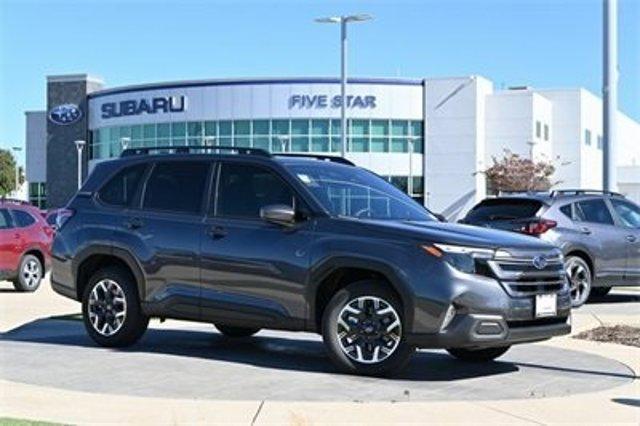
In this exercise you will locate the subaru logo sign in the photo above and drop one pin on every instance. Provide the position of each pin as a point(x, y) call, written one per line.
point(540, 262)
point(65, 114)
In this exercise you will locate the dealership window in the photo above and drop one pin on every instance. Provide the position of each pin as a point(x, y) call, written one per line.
point(38, 194)
point(296, 135)
point(587, 137)
point(538, 129)
point(599, 141)
point(546, 132)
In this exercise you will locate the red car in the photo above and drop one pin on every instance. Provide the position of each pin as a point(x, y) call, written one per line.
point(25, 244)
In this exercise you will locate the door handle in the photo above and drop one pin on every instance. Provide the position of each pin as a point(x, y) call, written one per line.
point(631, 238)
point(217, 232)
point(585, 230)
point(134, 223)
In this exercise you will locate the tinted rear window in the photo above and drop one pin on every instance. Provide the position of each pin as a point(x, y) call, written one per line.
point(23, 219)
point(176, 186)
point(121, 189)
point(503, 209)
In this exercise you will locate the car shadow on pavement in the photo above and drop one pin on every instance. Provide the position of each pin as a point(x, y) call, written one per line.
point(294, 354)
point(614, 298)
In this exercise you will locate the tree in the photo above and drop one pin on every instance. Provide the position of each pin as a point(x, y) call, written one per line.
point(8, 172)
point(514, 173)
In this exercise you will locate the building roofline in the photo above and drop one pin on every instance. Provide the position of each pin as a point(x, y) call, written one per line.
point(252, 81)
point(66, 78)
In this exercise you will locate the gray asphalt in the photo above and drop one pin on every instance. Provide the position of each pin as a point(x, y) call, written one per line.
point(181, 360)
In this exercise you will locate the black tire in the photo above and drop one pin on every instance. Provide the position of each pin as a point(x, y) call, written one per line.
point(231, 331)
point(478, 355)
point(135, 322)
point(580, 280)
point(599, 292)
point(30, 273)
point(394, 362)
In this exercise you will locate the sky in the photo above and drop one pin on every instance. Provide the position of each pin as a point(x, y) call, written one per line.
point(539, 43)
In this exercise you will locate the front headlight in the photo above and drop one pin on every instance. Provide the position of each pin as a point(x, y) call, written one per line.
point(463, 258)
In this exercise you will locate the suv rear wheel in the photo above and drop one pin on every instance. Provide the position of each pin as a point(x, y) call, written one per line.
point(363, 329)
point(30, 274)
point(231, 331)
point(111, 309)
point(478, 355)
point(579, 276)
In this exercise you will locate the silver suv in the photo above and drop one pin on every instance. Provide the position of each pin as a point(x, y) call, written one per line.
point(598, 232)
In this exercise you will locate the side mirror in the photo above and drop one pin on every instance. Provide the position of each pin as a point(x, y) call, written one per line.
point(440, 217)
point(278, 214)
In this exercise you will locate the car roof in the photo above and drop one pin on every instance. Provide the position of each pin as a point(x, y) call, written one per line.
point(551, 197)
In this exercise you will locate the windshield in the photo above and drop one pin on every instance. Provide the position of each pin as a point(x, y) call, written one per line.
point(353, 192)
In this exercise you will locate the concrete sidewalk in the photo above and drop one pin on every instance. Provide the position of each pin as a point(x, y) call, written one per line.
point(617, 405)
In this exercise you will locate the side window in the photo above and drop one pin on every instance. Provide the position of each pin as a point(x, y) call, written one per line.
point(594, 211)
point(5, 219)
point(176, 186)
point(244, 189)
point(121, 189)
point(23, 219)
point(628, 213)
point(566, 210)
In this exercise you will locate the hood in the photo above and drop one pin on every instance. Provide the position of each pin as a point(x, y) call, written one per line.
point(453, 233)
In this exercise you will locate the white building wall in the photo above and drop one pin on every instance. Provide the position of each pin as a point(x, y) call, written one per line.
point(455, 143)
point(36, 146)
point(512, 117)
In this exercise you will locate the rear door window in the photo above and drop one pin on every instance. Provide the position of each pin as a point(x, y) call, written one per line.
point(593, 211)
point(504, 209)
point(121, 189)
point(177, 186)
point(5, 219)
point(567, 211)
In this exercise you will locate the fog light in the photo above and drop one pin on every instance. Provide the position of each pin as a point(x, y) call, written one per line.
point(448, 317)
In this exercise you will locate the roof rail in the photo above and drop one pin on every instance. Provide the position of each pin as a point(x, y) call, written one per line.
point(331, 158)
point(557, 192)
point(14, 201)
point(190, 149)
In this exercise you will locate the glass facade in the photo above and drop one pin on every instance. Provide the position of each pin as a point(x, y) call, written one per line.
point(38, 194)
point(297, 135)
point(320, 136)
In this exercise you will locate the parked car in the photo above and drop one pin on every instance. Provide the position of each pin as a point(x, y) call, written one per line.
point(51, 216)
point(247, 240)
point(598, 232)
point(25, 244)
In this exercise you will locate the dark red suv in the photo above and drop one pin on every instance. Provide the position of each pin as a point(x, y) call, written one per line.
point(25, 244)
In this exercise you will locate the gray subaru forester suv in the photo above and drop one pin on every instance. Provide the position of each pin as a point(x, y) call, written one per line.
point(598, 232)
point(247, 240)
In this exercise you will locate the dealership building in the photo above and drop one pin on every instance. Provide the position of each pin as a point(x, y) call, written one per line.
point(432, 137)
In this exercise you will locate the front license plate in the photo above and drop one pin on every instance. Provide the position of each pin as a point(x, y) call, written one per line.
point(546, 305)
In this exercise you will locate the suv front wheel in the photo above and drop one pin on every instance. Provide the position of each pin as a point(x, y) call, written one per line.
point(111, 309)
point(364, 331)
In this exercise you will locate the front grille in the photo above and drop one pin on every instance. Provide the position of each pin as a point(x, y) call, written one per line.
point(520, 277)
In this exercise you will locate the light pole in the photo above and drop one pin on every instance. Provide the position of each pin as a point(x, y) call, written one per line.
point(124, 143)
point(79, 146)
point(343, 21)
point(531, 144)
point(17, 149)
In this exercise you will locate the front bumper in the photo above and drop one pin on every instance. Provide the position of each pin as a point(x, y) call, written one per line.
point(483, 331)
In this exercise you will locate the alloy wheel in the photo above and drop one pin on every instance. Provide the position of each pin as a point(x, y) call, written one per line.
point(31, 273)
point(579, 277)
point(107, 307)
point(369, 329)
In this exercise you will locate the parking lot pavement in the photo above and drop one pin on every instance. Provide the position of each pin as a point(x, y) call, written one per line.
point(187, 373)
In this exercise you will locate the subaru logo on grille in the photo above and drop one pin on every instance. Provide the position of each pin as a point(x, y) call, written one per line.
point(65, 114)
point(540, 262)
